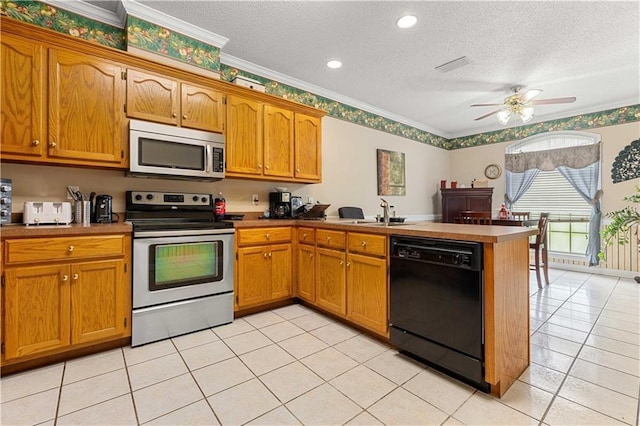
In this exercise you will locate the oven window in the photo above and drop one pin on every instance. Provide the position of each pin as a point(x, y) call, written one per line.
point(172, 155)
point(184, 264)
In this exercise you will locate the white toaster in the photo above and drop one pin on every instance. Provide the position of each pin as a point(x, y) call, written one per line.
point(46, 212)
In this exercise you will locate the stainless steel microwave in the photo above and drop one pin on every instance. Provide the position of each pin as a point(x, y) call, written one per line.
point(159, 150)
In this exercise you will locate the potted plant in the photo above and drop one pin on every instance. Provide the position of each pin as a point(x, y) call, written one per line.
point(621, 221)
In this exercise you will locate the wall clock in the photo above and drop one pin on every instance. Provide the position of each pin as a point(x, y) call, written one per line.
point(493, 171)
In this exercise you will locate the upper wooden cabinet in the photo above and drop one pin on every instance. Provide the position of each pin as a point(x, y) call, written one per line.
point(244, 137)
point(278, 142)
point(23, 109)
point(170, 101)
point(308, 151)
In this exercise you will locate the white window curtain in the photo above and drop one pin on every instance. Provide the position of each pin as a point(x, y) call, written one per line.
point(576, 155)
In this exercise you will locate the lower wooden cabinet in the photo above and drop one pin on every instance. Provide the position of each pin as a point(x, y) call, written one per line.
point(331, 290)
point(65, 305)
point(367, 296)
point(305, 270)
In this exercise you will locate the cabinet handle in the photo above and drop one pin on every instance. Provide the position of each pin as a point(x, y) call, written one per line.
point(266, 167)
point(71, 248)
point(65, 277)
point(348, 264)
point(364, 243)
point(35, 142)
point(53, 144)
point(304, 236)
point(328, 239)
point(267, 236)
point(184, 117)
point(174, 115)
point(265, 255)
point(310, 255)
point(269, 255)
point(259, 166)
point(75, 276)
point(298, 170)
point(341, 262)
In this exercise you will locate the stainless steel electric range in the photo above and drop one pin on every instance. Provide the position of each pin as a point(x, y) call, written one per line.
point(182, 264)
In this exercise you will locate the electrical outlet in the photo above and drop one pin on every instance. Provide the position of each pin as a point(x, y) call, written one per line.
point(310, 200)
point(73, 189)
point(254, 199)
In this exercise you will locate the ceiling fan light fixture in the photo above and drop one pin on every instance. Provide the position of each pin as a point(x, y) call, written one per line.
point(526, 114)
point(504, 116)
point(406, 21)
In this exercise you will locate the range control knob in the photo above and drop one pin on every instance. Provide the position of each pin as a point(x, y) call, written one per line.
point(149, 196)
point(5, 188)
point(4, 200)
point(204, 199)
point(195, 198)
point(457, 259)
point(138, 197)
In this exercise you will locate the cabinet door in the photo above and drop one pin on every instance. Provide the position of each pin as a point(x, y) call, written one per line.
point(152, 97)
point(480, 203)
point(244, 136)
point(278, 142)
point(98, 300)
point(252, 275)
point(202, 108)
point(37, 309)
point(85, 109)
point(367, 296)
point(23, 84)
point(330, 280)
point(308, 144)
point(452, 206)
point(306, 273)
point(280, 270)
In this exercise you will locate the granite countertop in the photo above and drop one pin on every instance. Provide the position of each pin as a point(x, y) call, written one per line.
point(19, 230)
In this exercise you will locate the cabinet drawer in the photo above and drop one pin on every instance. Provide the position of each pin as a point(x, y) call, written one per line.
point(328, 238)
point(263, 235)
point(62, 248)
point(375, 245)
point(306, 235)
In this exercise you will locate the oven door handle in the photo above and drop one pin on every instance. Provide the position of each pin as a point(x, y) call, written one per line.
point(181, 233)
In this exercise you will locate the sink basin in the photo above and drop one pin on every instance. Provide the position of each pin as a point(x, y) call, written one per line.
point(390, 224)
point(361, 222)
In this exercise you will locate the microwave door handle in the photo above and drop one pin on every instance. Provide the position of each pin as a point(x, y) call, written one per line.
point(207, 158)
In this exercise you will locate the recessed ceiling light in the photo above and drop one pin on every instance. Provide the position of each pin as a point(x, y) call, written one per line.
point(407, 21)
point(334, 63)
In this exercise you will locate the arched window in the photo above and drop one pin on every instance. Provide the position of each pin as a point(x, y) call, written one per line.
point(559, 173)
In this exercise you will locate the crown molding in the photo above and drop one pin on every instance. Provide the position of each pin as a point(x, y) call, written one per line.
point(159, 18)
point(232, 61)
point(90, 11)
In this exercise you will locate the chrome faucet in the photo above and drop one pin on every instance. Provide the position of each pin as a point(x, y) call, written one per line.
point(385, 211)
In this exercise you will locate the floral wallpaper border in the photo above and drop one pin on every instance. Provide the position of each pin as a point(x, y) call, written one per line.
point(159, 40)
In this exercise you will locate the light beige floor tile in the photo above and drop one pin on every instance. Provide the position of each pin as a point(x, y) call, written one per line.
point(146, 352)
point(266, 359)
point(207, 354)
point(303, 345)
point(537, 315)
point(30, 382)
point(323, 405)
point(361, 348)
point(611, 360)
point(482, 409)
point(631, 327)
point(156, 370)
point(597, 398)
point(534, 325)
point(263, 319)
point(164, 397)
point(329, 363)
point(571, 323)
point(291, 381)
point(543, 377)
point(394, 366)
point(614, 333)
point(198, 413)
point(31, 409)
point(565, 412)
point(93, 365)
point(528, 399)
point(616, 346)
point(334, 333)
point(555, 292)
point(292, 311)
point(222, 375)
point(556, 344)
point(621, 308)
point(564, 332)
point(364, 419)
point(606, 377)
point(247, 342)
point(402, 407)
point(84, 393)
point(191, 340)
point(238, 326)
point(280, 416)
point(576, 307)
point(452, 421)
point(243, 402)
point(117, 411)
point(441, 391)
point(363, 386)
point(551, 359)
point(281, 331)
point(622, 316)
point(311, 321)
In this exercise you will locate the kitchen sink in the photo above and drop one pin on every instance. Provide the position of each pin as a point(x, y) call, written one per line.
point(389, 224)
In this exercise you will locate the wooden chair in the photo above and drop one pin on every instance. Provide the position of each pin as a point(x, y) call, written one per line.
point(476, 218)
point(520, 215)
point(540, 249)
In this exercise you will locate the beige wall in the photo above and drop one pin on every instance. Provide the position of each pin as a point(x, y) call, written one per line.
point(349, 177)
point(469, 163)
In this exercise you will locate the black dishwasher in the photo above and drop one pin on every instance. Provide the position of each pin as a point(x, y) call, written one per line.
point(437, 304)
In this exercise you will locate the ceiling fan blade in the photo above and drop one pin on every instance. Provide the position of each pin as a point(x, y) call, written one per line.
point(567, 100)
point(530, 94)
point(474, 105)
point(487, 115)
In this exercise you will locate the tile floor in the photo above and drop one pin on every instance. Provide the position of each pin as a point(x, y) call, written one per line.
point(294, 366)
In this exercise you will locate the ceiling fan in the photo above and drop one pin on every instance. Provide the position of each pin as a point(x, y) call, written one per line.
point(521, 105)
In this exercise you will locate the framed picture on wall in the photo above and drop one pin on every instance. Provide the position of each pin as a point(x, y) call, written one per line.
point(391, 174)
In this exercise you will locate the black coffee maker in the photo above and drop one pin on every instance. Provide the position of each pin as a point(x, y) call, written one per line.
point(280, 205)
point(103, 209)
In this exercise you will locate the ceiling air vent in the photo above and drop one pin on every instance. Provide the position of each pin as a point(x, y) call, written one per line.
point(452, 65)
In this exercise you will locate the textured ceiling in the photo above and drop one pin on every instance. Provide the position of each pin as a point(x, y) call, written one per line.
point(590, 50)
